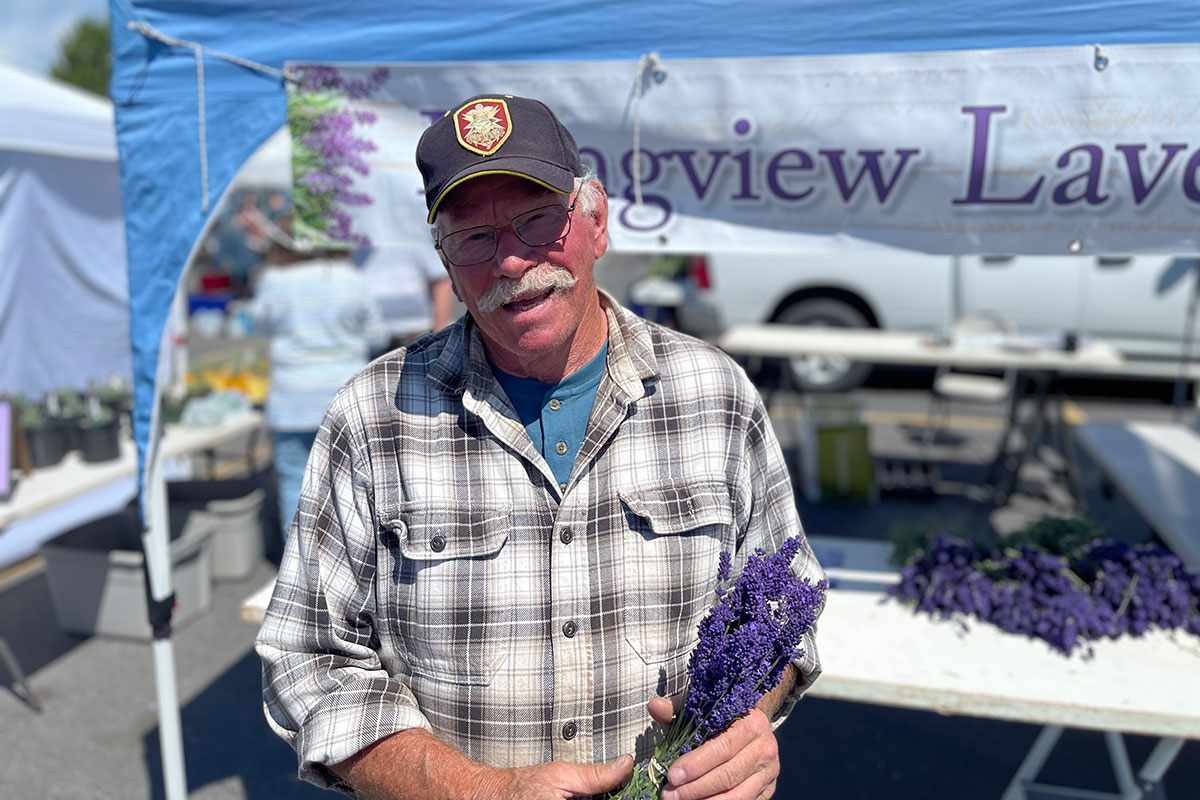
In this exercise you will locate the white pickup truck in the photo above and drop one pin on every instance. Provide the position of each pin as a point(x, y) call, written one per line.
point(1138, 303)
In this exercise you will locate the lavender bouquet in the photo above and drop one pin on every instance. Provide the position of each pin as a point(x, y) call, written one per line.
point(746, 642)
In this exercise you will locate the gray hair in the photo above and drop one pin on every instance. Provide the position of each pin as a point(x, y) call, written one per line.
point(588, 192)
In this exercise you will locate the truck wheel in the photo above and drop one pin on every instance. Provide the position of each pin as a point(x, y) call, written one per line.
point(824, 373)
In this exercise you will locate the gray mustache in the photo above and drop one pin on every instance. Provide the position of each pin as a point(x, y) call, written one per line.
point(534, 282)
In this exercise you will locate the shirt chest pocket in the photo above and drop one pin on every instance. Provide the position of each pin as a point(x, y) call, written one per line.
point(673, 539)
point(451, 596)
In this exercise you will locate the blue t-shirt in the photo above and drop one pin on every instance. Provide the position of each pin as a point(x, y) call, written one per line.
point(555, 415)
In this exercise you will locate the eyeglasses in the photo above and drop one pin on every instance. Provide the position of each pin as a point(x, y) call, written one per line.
point(536, 228)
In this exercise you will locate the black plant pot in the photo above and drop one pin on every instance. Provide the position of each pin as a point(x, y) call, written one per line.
point(47, 445)
point(100, 442)
point(70, 427)
point(121, 409)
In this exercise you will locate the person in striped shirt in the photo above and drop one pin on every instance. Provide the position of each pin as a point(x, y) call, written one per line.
point(323, 322)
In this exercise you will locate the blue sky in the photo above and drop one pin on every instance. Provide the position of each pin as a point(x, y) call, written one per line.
point(30, 30)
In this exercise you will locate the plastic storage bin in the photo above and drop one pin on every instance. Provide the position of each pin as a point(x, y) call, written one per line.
point(837, 452)
point(235, 509)
point(98, 585)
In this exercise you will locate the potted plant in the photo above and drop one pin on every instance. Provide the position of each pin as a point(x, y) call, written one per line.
point(175, 398)
point(67, 408)
point(99, 435)
point(46, 438)
point(115, 394)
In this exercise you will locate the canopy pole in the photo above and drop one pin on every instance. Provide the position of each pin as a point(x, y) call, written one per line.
point(160, 598)
point(170, 727)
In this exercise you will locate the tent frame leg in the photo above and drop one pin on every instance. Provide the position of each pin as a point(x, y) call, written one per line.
point(160, 597)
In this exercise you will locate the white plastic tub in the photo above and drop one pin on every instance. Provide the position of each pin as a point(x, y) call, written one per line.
point(98, 585)
point(236, 511)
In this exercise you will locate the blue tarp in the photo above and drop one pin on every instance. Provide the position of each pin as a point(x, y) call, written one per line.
point(154, 85)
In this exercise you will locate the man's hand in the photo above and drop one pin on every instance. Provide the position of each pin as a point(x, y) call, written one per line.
point(559, 780)
point(414, 765)
point(741, 763)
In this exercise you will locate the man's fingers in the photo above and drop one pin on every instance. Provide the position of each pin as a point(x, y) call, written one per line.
point(661, 710)
point(597, 778)
point(749, 775)
point(719, 750)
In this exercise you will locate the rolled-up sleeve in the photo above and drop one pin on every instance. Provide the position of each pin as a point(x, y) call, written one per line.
point(325, 690)
point(769, 510)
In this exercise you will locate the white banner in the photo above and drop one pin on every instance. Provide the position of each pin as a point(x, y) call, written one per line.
point(1052, 151)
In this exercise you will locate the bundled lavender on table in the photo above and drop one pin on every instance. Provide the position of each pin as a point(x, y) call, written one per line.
point(1102, 589)
point(748, 638)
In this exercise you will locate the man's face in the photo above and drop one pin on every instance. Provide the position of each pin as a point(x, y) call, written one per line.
point(519, 317)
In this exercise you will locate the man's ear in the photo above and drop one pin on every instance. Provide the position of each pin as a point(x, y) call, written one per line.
point(446, 266)
point(600, 220)
point(450, 274)
point(453, 283)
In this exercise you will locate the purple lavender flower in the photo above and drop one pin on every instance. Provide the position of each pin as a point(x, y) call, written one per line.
point(747, 639)
point(328, 149)
point(315, 77)
point(1103, 589)
point(321, 77)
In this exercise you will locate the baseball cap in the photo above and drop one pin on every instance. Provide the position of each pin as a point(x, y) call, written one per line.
point(496, 134)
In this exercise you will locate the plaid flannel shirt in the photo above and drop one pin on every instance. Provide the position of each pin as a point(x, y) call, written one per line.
point(437, 576)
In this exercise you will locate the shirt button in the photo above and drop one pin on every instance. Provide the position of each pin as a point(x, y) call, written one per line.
point(566, 536)
point(555, 404)
point(438, 543)
point(569, 730)
point(569, 628)
point(561, 448)
point(562, 487)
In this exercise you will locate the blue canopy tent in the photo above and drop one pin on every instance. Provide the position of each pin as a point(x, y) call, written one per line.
point(199, 86)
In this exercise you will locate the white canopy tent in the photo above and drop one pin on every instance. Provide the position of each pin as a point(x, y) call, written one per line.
point(269, 168)
point(64, 286)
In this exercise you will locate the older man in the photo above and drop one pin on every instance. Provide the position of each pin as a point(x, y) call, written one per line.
point(510, 529)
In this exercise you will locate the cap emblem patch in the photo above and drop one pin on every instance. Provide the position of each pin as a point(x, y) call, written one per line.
point(482, 125)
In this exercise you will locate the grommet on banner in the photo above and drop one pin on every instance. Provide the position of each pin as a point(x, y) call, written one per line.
point(659, 72)
point(1100, 60)
point(1075, 246)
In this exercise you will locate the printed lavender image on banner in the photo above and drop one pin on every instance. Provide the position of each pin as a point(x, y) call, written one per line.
point(328, 153)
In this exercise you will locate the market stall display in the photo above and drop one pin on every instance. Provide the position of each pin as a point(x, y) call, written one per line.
point(1057, 581)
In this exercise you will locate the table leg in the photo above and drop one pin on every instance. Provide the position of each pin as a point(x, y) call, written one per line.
point(1157, 763)
point(1041, 382)
point(1128, 787)
point(997, 467)
point(1119, 757)
point(1066, 446)
point(9, 659)
point(251, 449)
point(1034, 760)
